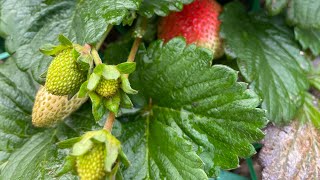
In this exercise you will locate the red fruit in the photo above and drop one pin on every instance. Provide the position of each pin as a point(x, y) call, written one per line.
point(198, 22)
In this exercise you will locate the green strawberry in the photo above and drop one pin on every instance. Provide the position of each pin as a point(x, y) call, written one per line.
point(64, 76)
point(90, 166)
point(49, 109)
point(107, 88)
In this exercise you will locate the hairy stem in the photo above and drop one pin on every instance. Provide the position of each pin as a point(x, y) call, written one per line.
point(134, 50)
point(109, 122)
point(95, 56)
point(111, 117)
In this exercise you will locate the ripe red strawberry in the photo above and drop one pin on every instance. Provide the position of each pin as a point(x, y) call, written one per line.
point(198, 22)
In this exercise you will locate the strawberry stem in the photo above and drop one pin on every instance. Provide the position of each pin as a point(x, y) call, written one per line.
point(134, 49)
point(95, 56)
point(109, 122)
point(111, 117)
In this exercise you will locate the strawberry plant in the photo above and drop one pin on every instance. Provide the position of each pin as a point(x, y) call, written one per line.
point(149, 89)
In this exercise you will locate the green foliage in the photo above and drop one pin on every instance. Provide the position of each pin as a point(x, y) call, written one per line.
point(304, 13)
point(268, 58)
point(40, 22)
point(189, 98)
point(16, 100)
point(186, 119)
point(310, 111)
point(309, 39)
point(161, 8)
point(26, 151)
point(299, 12)
point(275, 7)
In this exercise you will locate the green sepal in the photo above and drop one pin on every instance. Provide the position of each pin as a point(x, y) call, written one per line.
point(112, 149)
point(125, 85)
point(81, 147)
point(44, 74)
point(124, 159)
point(113, 173)
point(113, 103)
point(110, 72)
point(64, 40)
point(126, 67)
point(69, 165)
point(75, 54)
point(93, 82)
point(112, 145)
point(99, 69)
point(68, 143)
point(52, 50)
point(84, 61)
point(125, 100)
point(83, 91)
point(98, 109)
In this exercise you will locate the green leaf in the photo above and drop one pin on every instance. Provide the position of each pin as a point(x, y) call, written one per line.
point(16, 101)
point(156, 150)
point(34, 153)
point(309, 39)
point(268, 58)
point(42, 21)
point(118, 52)
point(304, 13)
point(126, 67)
point(275, 7)
point(310, 111)
point(196, 109)
point(161, 8)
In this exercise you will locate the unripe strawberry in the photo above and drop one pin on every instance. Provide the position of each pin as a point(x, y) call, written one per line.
point(107, 88)
point(90, 166)
point(198, 22)
point(48, 109)
point(64, 76)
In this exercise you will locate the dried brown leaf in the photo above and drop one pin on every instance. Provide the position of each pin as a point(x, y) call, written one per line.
point(291, 152)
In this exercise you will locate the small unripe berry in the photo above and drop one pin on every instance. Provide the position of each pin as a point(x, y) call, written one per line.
point(107, 88)
point(90, 166)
